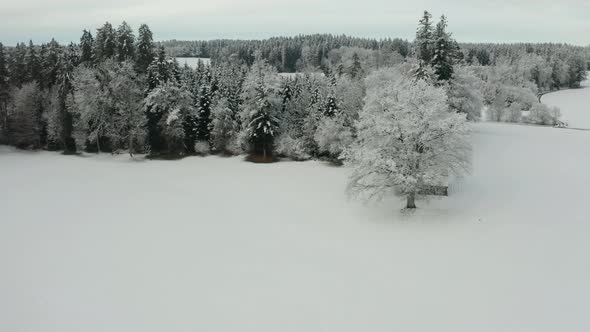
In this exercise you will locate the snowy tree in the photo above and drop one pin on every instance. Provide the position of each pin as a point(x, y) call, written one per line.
point(542, 114)
point(424, 39)
point(163, 69)
point(331, 108)
point(62, 110)
point(356, 68)
point(203, 119)
point(259, 116)
point(86, 47)
point(51, 64)
point(107, 102)
point(171, 104)
point(18, 65)
point(105, 44)
point(145, 49)
point(33, 64)
point(262, 124)
point(407, 140)
point(577, 72)
point(464, 92)
point(24, 124)
point(443, 51)
point(225, 127)
point(333, 136)
point(125, 42)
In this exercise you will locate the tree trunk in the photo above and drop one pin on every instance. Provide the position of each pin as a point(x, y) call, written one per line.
point(411, 204)
point(131, 145)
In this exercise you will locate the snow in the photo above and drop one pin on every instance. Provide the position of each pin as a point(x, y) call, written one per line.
point(102, 243)
point(574, 105)
point(193, 62)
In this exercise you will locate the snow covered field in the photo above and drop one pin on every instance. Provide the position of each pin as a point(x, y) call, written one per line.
point(574, 105)
point(217, 244)
point(193, 62)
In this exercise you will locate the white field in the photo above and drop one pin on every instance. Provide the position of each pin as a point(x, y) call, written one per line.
point(193, 62)
point(218, 244)
point(574, 105)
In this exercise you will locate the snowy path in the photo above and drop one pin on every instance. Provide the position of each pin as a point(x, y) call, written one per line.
point(574, 105)
point(211, 244)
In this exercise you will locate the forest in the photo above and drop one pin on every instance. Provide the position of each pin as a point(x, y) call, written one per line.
point(366, 102)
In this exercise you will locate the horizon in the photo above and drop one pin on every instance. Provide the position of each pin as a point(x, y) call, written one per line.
point(378, 38)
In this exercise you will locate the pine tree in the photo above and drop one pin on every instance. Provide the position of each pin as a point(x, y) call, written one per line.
point(33, 64)
point(331, 109)
point(86, 47)
point(18, 66)
point(444, 51)
point(145, 49)
point(125, 42)
point(204, 115)
point(105, 45)
point(356, 68)
point(262, 125)
point(50, 64)
point(424, 39)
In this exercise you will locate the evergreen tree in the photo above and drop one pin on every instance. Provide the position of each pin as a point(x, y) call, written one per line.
point(204, 115)
point(145, 49)
point(444, 51)
point(24, 125)
point(356, 68)
point(331, 109)
point(51, 64)
point(262, 124)
point(424, 39)
point(161, 70)
point(105, 45)
point(18, 66)
point(33, 64)
point(125, 42)
point(86, 47)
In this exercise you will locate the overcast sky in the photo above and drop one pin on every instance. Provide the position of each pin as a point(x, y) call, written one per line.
point(469, 20)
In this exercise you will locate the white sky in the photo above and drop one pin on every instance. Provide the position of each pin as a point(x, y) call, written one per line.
point(469, 20)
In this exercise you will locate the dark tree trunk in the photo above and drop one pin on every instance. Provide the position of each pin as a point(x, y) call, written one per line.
point(411, 204)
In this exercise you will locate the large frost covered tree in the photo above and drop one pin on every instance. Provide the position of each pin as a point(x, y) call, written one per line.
point(107, 103)
point(408, 139)
point(172, 104)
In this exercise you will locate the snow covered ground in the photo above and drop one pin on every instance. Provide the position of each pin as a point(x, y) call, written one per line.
point(218, 244)
point(574, 105)
point(193, 62)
